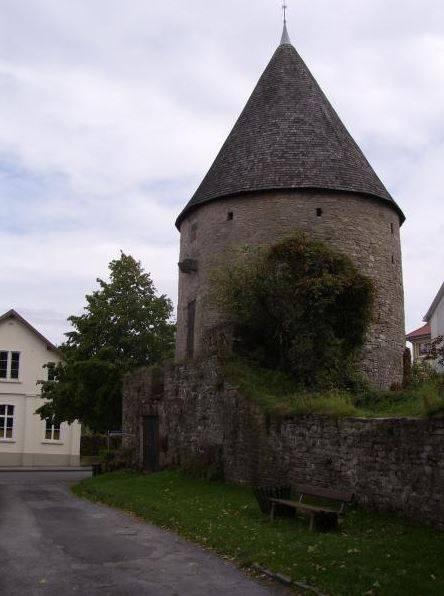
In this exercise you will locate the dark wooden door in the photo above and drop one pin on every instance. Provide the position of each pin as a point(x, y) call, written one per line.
point(151, 443)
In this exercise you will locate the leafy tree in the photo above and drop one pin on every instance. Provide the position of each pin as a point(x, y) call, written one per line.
point(300, 307)
point(437, 350)
point(125, 325)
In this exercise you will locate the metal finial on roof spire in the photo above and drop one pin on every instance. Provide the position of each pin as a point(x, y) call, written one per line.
point(285, 40)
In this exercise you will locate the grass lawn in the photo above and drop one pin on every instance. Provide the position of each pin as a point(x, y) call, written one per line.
point(372, 554)
point(278, 395)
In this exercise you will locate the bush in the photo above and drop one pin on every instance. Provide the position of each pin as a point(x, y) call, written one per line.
point(206, 465)
point(437, 350)
point(116, 459)
point(423, 372)
point(300, 307)
point(277, 394)
point(92, 444)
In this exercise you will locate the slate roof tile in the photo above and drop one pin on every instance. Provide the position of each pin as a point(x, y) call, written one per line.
point(288, 137)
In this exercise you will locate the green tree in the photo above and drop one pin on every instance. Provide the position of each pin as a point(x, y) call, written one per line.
point(125, 325)
point(437, 350)
point(300, 307)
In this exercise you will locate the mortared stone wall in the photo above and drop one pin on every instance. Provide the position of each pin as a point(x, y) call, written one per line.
point(365, 229)
point(393, 464)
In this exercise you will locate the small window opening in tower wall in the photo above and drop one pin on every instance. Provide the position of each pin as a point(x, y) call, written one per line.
point(230, 216)
point(319, 212)
point(193, 232)
point(392, 227)
point(393, 259)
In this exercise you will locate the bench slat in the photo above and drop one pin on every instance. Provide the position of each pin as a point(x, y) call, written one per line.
point(324, 493)
point(302, 506)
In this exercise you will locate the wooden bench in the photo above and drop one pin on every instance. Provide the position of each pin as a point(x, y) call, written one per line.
point(317, 513)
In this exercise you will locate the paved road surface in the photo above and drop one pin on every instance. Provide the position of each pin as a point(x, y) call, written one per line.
point(54, 544)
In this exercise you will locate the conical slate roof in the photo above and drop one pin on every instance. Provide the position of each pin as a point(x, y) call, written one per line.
point(288, 137)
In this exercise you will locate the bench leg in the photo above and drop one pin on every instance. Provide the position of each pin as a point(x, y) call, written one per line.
point(272, 511)
point(311, 522)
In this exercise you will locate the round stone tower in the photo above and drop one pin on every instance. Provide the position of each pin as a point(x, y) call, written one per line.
point(290, 164)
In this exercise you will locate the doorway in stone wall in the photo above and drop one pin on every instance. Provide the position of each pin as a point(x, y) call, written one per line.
point(151, 443)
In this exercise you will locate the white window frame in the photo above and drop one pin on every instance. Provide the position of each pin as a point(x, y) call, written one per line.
point(7, 365)
point(8, 377)
point(5, 416)
point(52, 428)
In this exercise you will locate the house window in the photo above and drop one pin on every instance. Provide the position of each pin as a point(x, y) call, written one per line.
point(424, 349)
point(193, 232)
point(6, 421)
point(15, 364)
point(52, 432)
point(3, 365)
point(9, 365)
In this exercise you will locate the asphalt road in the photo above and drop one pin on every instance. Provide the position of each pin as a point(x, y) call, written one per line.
point(54, 544)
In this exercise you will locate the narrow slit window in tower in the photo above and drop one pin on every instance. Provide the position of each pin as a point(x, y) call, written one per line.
point(193, 232)
point(230, 216)
point(392, 227)
point(319, 212)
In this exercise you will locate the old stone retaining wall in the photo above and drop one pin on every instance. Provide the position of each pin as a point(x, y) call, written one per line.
point(391, 464)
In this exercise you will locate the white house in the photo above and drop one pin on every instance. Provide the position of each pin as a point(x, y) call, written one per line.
point(435, 315)
point(421, 340)
point(25, 439)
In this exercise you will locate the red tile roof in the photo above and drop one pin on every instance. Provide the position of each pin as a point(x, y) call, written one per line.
point(421, 332)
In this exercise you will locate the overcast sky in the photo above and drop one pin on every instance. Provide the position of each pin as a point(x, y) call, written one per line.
point(112, 111)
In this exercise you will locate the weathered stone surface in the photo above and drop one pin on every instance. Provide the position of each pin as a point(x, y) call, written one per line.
point(391, 464)
point(363, 228)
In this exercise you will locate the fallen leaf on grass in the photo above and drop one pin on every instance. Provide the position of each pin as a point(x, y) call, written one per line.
point(311, 549)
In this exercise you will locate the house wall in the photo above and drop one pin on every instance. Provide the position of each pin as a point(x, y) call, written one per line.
point(394, 465)
point(437, 326)
point(437, 320)
point(366, 230)
point(28, 446)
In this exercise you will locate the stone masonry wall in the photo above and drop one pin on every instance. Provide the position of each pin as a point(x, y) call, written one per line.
point(391, 464)
point(365, 229)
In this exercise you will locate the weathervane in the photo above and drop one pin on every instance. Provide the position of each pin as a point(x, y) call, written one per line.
point(284, 10)
point(285, 40)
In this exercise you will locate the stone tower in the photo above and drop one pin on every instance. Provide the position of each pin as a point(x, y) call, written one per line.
point(290, 164)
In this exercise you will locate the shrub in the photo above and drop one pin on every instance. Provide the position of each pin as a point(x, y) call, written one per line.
point(93, 444)
point(407, 368)
point(437, 350)
point(205, 465)
point(116, 459)
point(423, 372)
point(300, 307)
